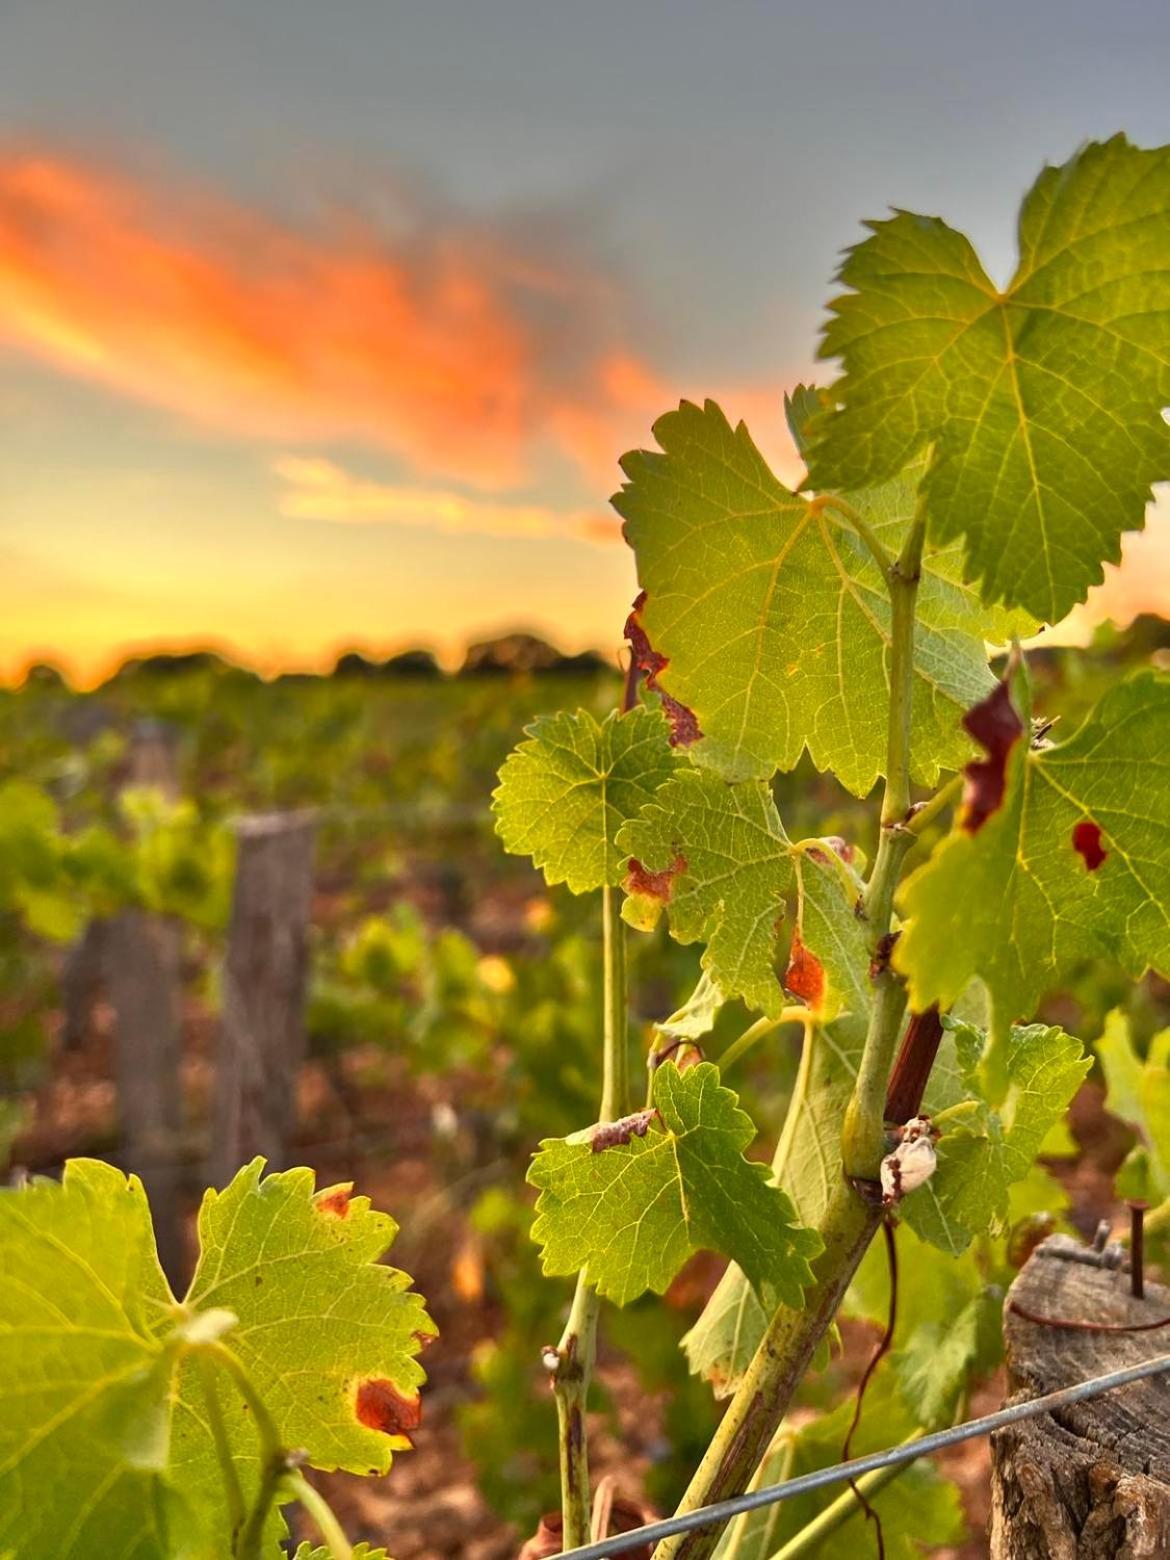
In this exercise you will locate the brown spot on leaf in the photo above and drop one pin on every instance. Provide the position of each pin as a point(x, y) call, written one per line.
point(805, 975)
point(996, 726)
point(335, 1201)
point(684, 723)
point(614, 1134)
point(655, 885)
point(380, 1406)
point(1086, 838)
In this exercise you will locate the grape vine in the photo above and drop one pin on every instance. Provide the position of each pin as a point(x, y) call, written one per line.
point(969, 471)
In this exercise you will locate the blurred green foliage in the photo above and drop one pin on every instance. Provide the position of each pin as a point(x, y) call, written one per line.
point(438, 953)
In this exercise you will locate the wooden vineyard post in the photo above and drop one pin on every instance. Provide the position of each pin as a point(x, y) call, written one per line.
point(83, 971)
point(1094, 1482)
point(262, 1037)
point(142, 954)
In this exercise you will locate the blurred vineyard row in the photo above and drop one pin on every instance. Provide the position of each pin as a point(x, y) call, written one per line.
point(452, 1010)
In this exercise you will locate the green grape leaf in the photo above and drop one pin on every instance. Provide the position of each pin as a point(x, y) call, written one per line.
point(1060, 854)
point(1042, 403)
point(993, 1147)
point(631, 1201)
point(112, 1420)
point(937, 1362)
point(807, 1165)
point(716, 858)
point(947, 1330)
point(1139, 1093)
point(768, 625)
point(565, 792)
point(83, 1311)
point(807, 1162)
point(697, 1016)
point(919, 1512)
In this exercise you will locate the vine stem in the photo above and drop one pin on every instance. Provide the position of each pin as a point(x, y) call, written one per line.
point(251, 1540)
point(571, 1363)
point(857, 523)
point(863, 1137)
point(944, 797)
point(615, 1084)
point(743, 1043)
point(850, 1220)
point(274, 1460)
point(322, 1514)
point(237, 1507)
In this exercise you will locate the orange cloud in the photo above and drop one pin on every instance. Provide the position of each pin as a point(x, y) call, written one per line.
point(455, 346)
point(321, 490)
point(460, 347)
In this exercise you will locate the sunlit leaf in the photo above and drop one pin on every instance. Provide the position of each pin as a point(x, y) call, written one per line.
point(772, 623)
point(634, 1211)
point(566, 791)
point(1042, 403)
point(107, 1415)
point(993, 1145)
point(1073, 864)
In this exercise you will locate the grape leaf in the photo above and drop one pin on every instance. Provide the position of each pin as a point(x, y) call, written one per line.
point(716, 857)
point(112, 1419)
point(772, 624)
point(632, 1213)
point(947, 1331)
point(937, 1362)
point(1139, 1093)
point(1042, 403)
point(919, 1511)
point(565, 792)
point(83, 1311)
point(1074, 863)
point(993, 1147)
point(697, 1016)
point(807, 1162)
point(807, 1166)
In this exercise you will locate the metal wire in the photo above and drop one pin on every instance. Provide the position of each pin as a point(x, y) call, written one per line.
point(721, 1511)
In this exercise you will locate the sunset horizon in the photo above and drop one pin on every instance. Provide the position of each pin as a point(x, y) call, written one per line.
point(344, 368)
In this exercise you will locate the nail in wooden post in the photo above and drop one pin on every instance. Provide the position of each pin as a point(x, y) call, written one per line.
point(1137, 1249)
point(265, 979)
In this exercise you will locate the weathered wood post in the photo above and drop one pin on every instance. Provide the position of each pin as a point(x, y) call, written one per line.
point(142, 968)
point(265, 979)
point(83, 971)
point(1094, 1482)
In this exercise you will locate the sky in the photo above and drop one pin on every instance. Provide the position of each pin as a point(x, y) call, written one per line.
point(324, 325)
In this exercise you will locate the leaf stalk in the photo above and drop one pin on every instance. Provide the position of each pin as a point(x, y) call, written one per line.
point(863, 1139)
point(856, 521)
point(322, 1514)
point(572, 1368)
